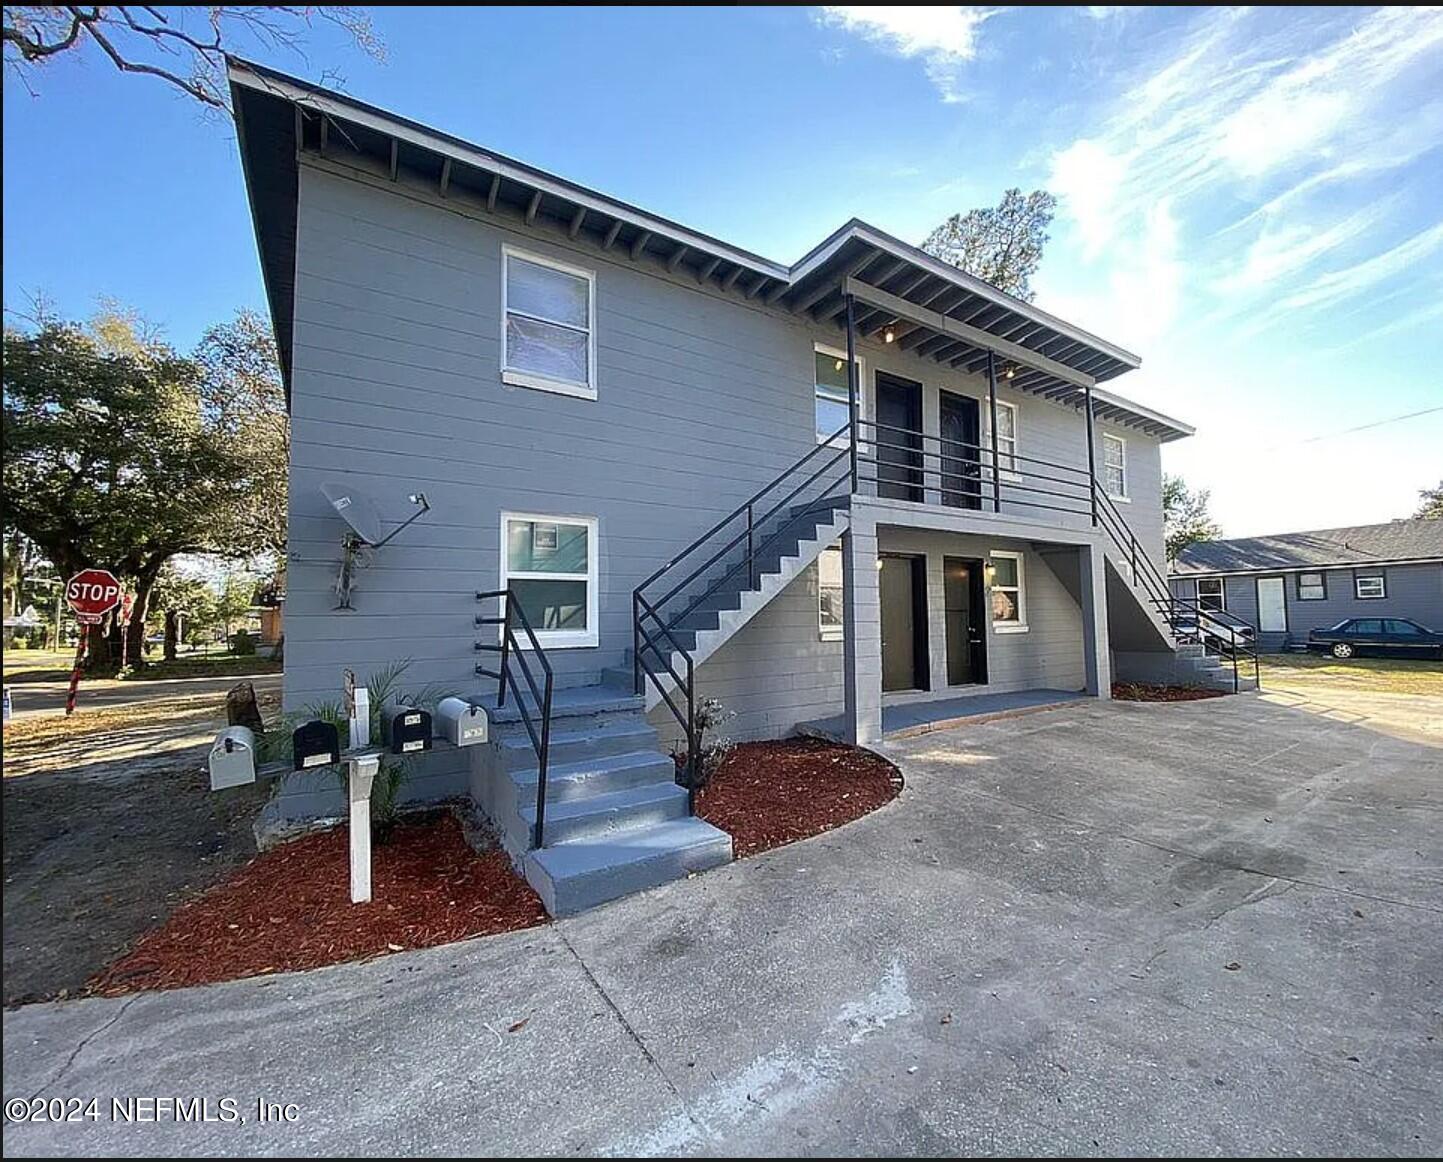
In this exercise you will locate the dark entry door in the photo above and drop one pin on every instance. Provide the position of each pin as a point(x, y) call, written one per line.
point(966, 641)
point(904, 623)
point(961, 462)
point(899, 438)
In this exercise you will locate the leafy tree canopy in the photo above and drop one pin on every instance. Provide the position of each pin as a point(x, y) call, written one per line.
point(1001, 244)
point(1185, 516)
point(1431, 506)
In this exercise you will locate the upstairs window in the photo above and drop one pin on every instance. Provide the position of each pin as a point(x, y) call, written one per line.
point(1007, 438)
point(833, 392)
point(548, 327)
point(1114, 466)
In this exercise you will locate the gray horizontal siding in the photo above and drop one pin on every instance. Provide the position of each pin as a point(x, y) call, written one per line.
point(1414, 591)
point(704, 398)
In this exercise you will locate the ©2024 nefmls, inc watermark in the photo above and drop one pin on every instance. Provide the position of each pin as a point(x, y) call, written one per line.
point(151, 1110)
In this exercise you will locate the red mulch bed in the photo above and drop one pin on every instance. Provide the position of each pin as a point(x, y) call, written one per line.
point(290, 908)
point(1142, 692)
point(766, 794)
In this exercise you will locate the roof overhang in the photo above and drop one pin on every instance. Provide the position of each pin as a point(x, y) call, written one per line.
point(1180, 572)
point(278, 118)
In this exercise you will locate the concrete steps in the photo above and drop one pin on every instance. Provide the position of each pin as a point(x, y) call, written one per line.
point(616, 820)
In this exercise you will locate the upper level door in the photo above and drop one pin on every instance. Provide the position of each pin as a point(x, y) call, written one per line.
point(899, 437)
point(1272, 605)
point(961, 462)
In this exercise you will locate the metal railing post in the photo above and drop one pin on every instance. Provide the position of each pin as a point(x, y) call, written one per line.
point(751, 548)
point(1091, 453)
point(992, 408)
point(852, 385)
point(693, 747)
point(543, 760)
point(636, 686)
point(505, 649)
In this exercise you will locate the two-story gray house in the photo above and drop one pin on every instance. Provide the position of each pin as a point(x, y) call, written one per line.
point(819, 491)
point(1290, 583)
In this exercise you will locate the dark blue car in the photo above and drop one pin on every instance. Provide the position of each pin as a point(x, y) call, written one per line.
point(1395, 637)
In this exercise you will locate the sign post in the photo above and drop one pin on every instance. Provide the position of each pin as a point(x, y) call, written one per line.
point(91, 594)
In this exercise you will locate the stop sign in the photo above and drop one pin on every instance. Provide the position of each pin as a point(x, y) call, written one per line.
point(91, 594)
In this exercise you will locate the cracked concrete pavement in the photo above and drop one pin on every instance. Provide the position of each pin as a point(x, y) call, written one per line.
point(1209, 928)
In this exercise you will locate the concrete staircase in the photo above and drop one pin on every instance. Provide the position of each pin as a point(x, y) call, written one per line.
point(795, 544)
point(616, 820)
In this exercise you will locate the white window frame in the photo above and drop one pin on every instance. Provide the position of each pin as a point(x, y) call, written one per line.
point(1121, 442)
point(518, 377)
point(1005, 473)
point(1359, 578)
point(829, 633)
point(1322, 594)
point(1222, 592)
point(863, 396)
point(561, 639)
point(1020, 625)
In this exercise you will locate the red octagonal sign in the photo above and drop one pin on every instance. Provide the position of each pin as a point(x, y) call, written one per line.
point(91, 594)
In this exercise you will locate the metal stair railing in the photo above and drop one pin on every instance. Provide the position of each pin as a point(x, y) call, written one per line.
point(509, 647)
point(1188, 621)
point(734, 546)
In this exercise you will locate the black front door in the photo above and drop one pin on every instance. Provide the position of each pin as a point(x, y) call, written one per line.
point(903, 586)
point(961, 460)
point(899, 438)
point(966, 640)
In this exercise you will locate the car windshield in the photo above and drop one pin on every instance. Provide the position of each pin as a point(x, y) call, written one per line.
point(1340, 626)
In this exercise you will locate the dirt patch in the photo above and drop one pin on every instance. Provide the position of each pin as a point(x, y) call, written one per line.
point(1142, 692)
point(766, 794)
point(290, 909)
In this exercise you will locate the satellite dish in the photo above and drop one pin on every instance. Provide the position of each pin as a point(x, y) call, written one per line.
point(356, 509)
point(360, 512)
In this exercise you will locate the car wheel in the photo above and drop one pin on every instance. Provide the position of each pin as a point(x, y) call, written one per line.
point(1342, 650)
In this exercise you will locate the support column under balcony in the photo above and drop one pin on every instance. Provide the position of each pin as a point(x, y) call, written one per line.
point(862, 632)
point(1097, 651)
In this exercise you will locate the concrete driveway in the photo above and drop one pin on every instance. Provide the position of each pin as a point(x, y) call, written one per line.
point(1210, 927)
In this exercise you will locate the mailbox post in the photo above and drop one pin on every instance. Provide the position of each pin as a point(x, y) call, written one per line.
point(360, 777)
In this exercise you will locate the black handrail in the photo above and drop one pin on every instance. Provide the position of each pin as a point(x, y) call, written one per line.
point(654, 627)
point(510, 648)
point(1184, 618)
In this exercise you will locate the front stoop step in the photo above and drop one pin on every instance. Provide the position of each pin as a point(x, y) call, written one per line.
point(579, 874)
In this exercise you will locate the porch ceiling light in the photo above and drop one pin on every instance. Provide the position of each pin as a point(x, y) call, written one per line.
point(889, 334)
point(1010, 372)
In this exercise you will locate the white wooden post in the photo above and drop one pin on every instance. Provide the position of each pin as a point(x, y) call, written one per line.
point(361, 775)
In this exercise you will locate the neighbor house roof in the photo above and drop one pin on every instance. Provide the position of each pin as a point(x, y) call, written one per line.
point(1396, 542)
point(934, 309)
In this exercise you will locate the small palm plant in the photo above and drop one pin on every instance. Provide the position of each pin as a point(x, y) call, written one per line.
point(383, 688)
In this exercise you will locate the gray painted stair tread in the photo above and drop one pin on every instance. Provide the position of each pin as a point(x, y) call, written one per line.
point(646, 795)
point(600, 732)
point(599, 767)
point(569, 702)
point(584, 856)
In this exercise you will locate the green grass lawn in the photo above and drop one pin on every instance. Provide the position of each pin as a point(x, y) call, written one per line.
point(1381, 675)
point(215, 666)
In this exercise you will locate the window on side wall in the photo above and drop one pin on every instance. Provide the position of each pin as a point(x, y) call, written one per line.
point(1009, 594)
point(548, 324)
point(829, 594)
point(1114, 466)
point(1007, 438)
point(1312, 587)
point(1368, 586)
point(549, 562)
point(833, 392)
point(1211, 594)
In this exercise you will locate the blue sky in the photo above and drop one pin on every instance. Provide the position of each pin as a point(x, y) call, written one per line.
point(1250, 199)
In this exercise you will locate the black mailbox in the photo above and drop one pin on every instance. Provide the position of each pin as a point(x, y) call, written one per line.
point(406, 729)
point(316, 744)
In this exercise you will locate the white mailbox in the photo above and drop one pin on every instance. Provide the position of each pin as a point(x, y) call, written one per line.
point(460, 723)
point(233, 758)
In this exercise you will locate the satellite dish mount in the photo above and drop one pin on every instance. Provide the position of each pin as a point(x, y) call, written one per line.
point(364, 534)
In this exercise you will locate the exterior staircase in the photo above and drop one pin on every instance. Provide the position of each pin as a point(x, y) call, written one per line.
point(725, 599)
point(616, 821)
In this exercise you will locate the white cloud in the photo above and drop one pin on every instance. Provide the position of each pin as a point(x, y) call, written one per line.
point(943, 38)
point(1351, 280)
